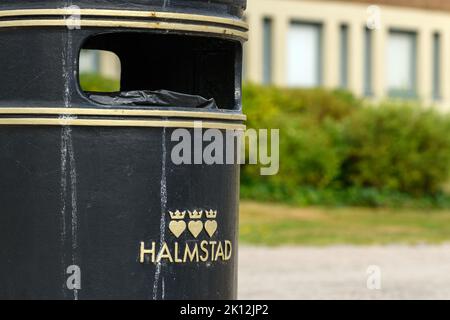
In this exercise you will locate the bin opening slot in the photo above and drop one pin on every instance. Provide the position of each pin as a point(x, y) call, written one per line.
point(168, 70)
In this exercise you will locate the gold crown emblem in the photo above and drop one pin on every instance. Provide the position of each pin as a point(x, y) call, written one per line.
point(211, 214)
point(195, 214)
point(177, 215)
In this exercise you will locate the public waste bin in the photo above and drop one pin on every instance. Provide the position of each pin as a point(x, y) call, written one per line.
point(92, 203)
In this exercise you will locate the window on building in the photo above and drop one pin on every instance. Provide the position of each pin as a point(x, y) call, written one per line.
point(304, 61)
point(436, 66)
point(89, 61)
point(401, 64)
point(267, 51)
point(343, 66)
point(368, 62)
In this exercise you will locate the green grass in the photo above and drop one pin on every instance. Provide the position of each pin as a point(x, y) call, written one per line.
point(96, 83)
point(273, 224)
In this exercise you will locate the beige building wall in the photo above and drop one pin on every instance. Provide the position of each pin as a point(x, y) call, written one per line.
point(331, 15)
point(109, 65)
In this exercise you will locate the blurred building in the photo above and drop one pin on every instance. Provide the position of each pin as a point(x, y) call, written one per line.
point(100, 62)
point(396, 49)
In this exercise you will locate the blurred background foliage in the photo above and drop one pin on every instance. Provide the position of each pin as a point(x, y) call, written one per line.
point(94, 82)
point(337, 150)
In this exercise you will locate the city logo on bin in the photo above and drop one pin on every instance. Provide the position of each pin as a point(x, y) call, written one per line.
point(195, 226)
point(191, 226)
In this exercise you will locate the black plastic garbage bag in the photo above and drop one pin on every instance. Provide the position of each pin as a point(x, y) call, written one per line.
point(158, 98)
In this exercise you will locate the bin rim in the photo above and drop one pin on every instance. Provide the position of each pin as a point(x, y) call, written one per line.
point(112, 18)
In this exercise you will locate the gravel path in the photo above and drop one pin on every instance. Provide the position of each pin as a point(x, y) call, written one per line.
point(419, 272)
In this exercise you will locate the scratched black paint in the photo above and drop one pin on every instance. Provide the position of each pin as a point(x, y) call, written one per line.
point(89, 195)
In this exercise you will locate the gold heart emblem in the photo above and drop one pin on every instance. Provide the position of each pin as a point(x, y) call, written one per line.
point(211, 227)
point(177, 227)
point(195, 227)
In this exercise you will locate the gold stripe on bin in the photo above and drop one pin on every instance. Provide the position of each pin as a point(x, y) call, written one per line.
point(124, 112)
point(230, 27)
point(125, 24)
point(123, 13)
point(118, 123)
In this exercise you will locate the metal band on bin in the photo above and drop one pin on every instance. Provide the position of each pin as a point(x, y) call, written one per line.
point(120, 118)
point(125, 19)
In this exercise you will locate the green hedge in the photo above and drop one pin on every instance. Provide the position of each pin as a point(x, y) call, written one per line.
point(96, 83)
point(335, 150)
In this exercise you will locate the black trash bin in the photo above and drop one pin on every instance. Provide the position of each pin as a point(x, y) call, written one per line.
point(92, 205)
